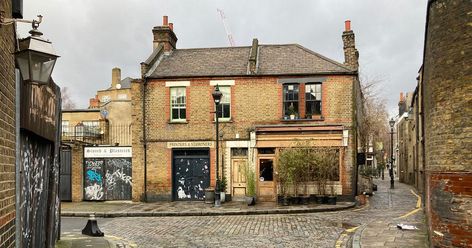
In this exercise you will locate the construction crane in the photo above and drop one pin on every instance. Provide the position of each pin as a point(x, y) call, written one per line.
point(228, 32)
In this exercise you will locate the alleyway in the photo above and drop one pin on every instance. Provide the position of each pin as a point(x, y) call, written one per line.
point(371, 226)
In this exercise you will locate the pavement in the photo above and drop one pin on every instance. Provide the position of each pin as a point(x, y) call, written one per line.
point(196, 224)
point(402, 207)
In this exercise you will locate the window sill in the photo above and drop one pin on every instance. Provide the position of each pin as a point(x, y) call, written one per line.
point(223, 120)
point(321, 118)
point(178, 122)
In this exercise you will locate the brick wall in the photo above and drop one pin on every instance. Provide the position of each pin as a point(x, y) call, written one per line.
point(77, 173)
point(447, 78)
point(254, 101)
point(7, 132)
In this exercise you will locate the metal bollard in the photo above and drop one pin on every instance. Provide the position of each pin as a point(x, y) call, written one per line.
point(91, 229)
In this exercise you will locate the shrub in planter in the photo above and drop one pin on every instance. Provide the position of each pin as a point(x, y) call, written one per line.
point(251, 187)
point(222, 186)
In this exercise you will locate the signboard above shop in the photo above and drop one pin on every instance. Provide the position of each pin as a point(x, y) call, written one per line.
point(108, 152)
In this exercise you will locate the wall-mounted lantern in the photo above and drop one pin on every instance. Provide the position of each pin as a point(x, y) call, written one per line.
point(36, 57)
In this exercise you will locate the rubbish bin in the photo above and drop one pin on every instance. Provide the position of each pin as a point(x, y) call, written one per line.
point(210, 195)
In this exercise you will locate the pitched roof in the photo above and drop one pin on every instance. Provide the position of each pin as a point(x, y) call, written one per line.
point(290, 59)
point(125, 83)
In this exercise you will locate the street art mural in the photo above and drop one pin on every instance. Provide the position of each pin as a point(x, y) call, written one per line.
point(93, 187)
point(107, 178)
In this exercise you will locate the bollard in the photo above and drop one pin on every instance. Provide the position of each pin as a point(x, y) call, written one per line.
point(91, 229)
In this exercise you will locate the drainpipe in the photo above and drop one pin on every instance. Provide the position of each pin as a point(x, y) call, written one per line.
point(145, 138)
point(17, 161)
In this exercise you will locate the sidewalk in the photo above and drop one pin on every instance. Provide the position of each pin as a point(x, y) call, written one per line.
point(139, 209)
point(74, 240)
point(401, 205)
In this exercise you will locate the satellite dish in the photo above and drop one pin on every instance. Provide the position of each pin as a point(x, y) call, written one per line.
point(118, 86)
point(104, 113)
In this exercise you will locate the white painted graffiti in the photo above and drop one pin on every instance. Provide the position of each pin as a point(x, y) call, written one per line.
point(94, 192)
point(116, 176)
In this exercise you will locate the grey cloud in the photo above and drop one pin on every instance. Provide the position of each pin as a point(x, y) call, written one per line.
point(94, 36)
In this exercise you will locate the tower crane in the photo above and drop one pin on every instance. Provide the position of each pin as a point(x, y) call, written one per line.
point(228, 32)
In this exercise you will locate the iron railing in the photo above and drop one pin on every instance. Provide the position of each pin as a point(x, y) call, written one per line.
point(101, 134)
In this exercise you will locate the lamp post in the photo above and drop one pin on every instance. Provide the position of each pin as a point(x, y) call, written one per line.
point(217, 99)
point(392, 123)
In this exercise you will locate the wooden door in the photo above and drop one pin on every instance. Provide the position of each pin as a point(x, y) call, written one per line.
point(238, 178)
point(265, 179)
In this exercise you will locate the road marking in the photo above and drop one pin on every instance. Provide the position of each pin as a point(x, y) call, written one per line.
point(339, 242)
point(350, 230)
point(418, 207)
point(418, 202)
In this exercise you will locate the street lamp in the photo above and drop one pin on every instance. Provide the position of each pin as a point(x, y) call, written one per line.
point(392, 123)
point(217, 99)
point(36, 57)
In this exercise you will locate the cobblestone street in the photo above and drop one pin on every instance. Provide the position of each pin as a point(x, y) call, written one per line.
point(386, 209)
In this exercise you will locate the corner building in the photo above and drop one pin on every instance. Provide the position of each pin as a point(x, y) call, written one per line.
point(263, 85)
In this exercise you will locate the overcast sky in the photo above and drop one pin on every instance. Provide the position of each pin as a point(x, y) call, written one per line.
point(93, 36)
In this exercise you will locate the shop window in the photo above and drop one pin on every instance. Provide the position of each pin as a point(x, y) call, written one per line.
point(266, 170)
point(266, 150)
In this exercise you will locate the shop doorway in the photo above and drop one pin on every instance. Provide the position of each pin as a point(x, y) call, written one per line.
point(191, 174)
point(266, 190)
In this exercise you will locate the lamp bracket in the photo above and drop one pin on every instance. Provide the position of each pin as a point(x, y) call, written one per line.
point(7, 21)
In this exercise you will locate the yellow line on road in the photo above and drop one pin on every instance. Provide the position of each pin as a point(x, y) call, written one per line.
point(418, 206)
point(350, 230)
point(418, 202)
point(339, 242)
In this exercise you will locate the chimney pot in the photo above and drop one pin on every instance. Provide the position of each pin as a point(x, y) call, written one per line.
point(347, 25)
point(171, 26)
point(165, 21)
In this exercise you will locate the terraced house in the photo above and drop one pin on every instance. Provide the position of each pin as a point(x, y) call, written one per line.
point(273, 95)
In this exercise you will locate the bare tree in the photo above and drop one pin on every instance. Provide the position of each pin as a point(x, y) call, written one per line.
point(374, 122)
point(67, 102)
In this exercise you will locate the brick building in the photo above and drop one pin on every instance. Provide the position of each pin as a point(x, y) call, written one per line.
point(106, 122)
point(447, 99)
point(29, 142)
point(262, 85)
point(7, 130)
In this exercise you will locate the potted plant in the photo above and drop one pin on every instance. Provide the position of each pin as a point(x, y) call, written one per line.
point(332, 196)
point(292, 112)
point(223, 184)
point(251, 187)
point(285, 174)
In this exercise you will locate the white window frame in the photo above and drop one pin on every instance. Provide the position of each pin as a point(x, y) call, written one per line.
point(172, 89)
point(225, 100)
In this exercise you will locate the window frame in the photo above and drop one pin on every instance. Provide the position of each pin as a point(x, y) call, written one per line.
point(179, 108)
point(284, 100)
point(223, 101)
point(308, 100)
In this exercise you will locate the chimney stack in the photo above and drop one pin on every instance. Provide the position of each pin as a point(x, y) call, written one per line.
point(253, 56)
point(401, 104)
point(94, 103)
point(351, 55)
point(164, 35)
point(115, 77)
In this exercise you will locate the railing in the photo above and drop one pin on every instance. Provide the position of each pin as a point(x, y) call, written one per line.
point(103, 134)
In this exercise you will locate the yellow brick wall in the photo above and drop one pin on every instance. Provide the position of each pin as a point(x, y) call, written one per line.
point(254, 101)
